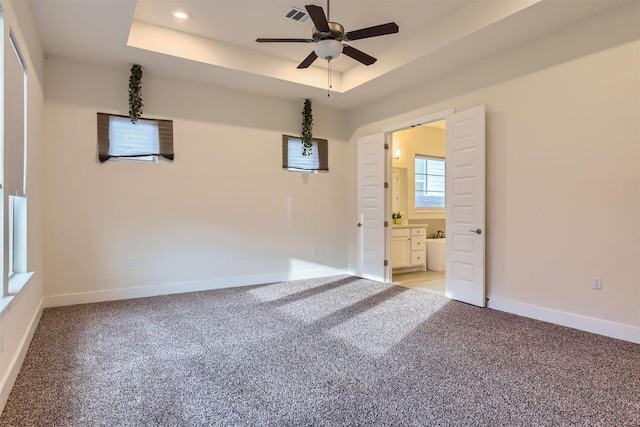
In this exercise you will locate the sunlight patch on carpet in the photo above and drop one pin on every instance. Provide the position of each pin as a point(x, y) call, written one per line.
point(276, 291)
point(375, 332)
point(326, 303)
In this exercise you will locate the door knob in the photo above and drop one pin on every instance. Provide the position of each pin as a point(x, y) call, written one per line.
point(477, 231)
point(359, 225)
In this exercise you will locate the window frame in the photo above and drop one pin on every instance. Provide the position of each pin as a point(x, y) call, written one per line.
point(426, 209)
point(17, 235)
point(14, 189)
point(10, 238)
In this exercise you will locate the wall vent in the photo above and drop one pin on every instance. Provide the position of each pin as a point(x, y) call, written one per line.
point(297, 14)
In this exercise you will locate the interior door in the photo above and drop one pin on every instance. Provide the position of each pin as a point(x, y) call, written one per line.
point(465, 198)
point(371, 207)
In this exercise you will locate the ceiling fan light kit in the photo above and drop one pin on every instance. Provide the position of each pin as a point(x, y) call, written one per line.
point(328, 49)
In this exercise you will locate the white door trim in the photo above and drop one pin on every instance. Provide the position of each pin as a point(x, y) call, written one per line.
point(388, 166)
point(388, 131)
point(419, 121)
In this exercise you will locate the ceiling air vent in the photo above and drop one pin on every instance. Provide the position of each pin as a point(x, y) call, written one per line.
point(297, 14)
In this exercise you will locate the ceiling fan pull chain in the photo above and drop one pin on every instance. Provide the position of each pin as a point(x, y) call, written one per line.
point(329, 80)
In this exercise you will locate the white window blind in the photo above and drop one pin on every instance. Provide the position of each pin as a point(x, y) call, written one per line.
point(294, 160)
point(118, 137)
point(132, 140)
point(15, 82)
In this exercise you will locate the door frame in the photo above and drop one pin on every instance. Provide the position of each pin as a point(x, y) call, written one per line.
point(388, 137)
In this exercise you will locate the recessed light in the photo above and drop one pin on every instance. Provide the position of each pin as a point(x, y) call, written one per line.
point(180, 15)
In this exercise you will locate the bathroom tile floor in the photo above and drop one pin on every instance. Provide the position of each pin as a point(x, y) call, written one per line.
point(428, 281)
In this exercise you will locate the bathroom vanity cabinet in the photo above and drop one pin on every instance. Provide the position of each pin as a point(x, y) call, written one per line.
point(409, 247)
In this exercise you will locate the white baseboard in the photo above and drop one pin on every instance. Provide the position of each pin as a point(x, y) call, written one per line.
point(571, 320)
point(9, 379)
point(177, 288)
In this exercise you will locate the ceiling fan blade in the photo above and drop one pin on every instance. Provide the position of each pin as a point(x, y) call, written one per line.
point(318, 17)
point(358, 55)
point(308, 60)
point(377, 30)
point(284, 40)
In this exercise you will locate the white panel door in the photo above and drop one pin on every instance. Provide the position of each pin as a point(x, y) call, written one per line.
point(465, 198)
point(371, 207)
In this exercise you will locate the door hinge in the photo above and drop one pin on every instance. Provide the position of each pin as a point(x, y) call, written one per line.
point(386, 223)
point(386, 185)
point(386, 263)
point(386, 146)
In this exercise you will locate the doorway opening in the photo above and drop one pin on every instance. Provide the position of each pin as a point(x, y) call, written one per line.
point(417, 193)
point(464, 207)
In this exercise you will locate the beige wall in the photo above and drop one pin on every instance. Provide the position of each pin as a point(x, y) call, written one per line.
point(223, 212)
point(425, 140)
point(19, 318)
point(563, 140)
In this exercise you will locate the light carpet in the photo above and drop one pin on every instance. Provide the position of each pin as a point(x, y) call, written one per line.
point(339, 351)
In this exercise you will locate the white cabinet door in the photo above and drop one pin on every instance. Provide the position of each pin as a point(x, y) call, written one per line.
point(401, 251)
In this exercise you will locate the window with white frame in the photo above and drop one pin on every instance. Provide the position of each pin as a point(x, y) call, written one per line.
point(429, 182)
point(15, 144)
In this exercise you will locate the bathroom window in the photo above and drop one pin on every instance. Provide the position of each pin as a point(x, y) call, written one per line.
point(429, 182)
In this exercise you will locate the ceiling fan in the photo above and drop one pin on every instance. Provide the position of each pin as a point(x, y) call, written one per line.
point(329, 37)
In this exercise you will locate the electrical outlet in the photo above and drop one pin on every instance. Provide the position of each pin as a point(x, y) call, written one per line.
point(597, 282)
point(132, 262)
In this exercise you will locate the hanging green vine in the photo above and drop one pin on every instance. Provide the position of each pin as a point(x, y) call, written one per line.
point(307, 129)
point(135, 93)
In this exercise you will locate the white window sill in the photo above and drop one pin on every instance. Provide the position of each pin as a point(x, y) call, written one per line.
point(17, 283)
point(421, 209)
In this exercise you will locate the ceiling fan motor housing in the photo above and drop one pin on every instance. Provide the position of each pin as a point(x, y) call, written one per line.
point(336, 32)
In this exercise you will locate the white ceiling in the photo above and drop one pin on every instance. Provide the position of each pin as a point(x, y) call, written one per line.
point(243, 21)
point(217, 44)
